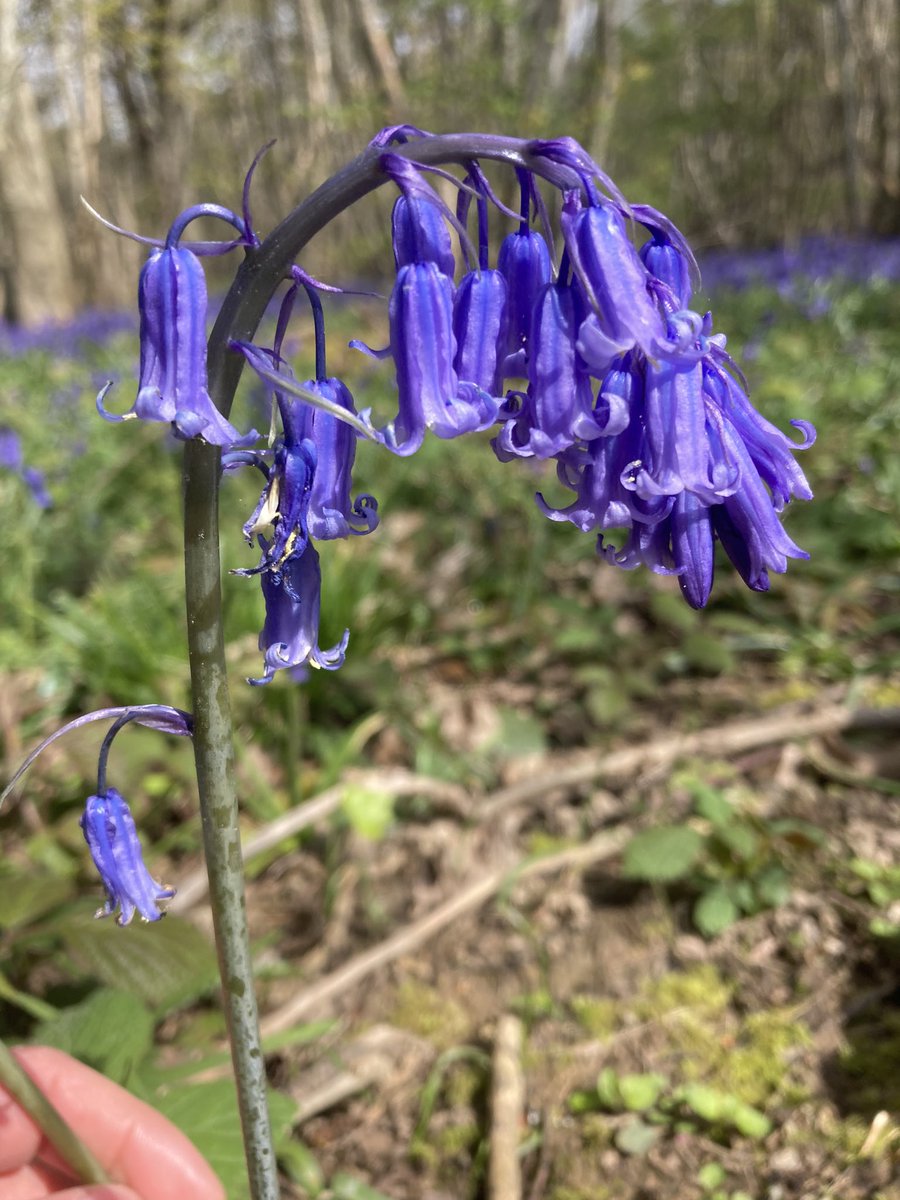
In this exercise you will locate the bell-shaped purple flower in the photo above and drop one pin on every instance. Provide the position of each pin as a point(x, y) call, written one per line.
point(667, 255)
point(479, 326)
point(284, 504)
point(614, 280)
point(173, 385)
point(679, 446)
point(112, 839)
point(600, 474)
point(420, 233)
point(692, 547)
point(771, 451)
point(290, 634)
point(331, 513)
point(558, 408)
point(423, 347)
point(524, 261)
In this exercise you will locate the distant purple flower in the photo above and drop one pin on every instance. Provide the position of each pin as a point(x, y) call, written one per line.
point(112, 839)
point(290, 635)
point(10, 450)
point(11, 459)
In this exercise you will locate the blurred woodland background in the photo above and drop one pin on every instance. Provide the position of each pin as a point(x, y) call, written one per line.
point(749, 121)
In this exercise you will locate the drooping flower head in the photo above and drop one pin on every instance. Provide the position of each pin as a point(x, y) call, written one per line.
point(112, 839)
point(290, 635)
point(107, 823)
point(172, 301)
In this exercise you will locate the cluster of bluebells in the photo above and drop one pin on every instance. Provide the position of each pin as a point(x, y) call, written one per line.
point(580, 348)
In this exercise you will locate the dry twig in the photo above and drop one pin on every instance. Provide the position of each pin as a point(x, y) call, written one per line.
point(507, 1106)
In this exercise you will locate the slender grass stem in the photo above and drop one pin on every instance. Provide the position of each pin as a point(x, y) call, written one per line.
point(60, 1135)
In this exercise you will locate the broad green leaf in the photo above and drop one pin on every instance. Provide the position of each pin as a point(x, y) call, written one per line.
point(662, 854)
point(370, 813)
point(165, 963)
point(773, 886)
point(740, 839)
point(25, 897)
point(348, 1187)
point(636, 1138)
point(110, 1031)
point(715, 911)
point(750, 1121)
point(208, 1114)
point(708, 1103)
point(301, 1165)
point(640, 1092)
point(608, 1089)
point(711, 1176)
point(713, 805)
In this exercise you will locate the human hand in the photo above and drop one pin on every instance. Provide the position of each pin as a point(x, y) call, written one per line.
point(137, 1145)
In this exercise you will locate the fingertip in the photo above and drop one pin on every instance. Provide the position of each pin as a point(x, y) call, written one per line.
point(132, 1140)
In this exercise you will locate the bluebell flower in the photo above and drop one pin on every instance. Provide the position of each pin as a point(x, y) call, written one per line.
point(479, 327)
point(107, 822)
point(172, 384)
point(112, 839)
point(557, 409)
point(11, 459)
point(430, 393)
point(623, 313)
point(290, 635)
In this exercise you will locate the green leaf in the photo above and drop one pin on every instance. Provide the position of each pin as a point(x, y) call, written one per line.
point(715, 911)
point(713, 805)
point(750, 1121)
point(708, 1103)
point(773, 886)
point(24, 898)
point(662, 854)
point(348, 1187)
point(640, 1092)
point(208, 1114)
point(518, 736)
point(608, 1089)
point(164, 963)
point(583, 1101)
point(711, 1175)
point(740, 839)
point(636, 1138)
point(109, 1031)
point(368, 812)
point(300, 1164)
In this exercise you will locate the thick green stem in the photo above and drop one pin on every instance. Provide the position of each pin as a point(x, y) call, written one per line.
point(63, 1139)
point(214, 754)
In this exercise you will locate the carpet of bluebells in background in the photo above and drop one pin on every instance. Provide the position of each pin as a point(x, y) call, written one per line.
point(513, 643)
